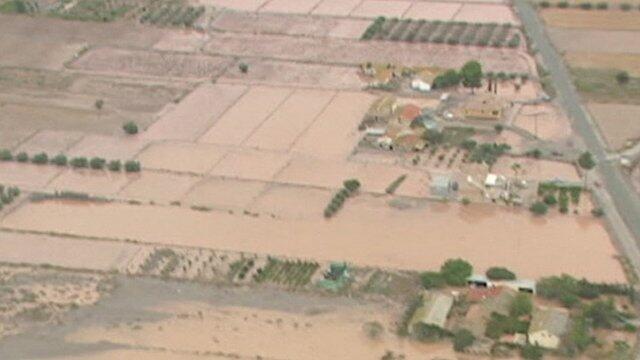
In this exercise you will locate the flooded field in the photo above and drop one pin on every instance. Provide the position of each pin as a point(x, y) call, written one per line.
point(419, 237)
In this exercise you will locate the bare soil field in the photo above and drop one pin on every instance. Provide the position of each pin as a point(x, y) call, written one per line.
point(444, 11)
point(339, 51)
point(581, 19)
point(251, 164)
point(533, 247)
point(291, 202)
point(387, 8)
point(48, 250)
point(295, 25)
point(618, 123)
point(108, 147)
point(225, 193)
point(544, 121)
point(289, 6)
point(181, 157)
point(602, 41)
point(335, 7)
point(27, 176)
point(539, 170)
point(50, 141)
point(619, 61)
point(107, 60)
point(240, 5)
point(486, 13)
point(94, 182)
point(293, 74)
point(183, 41)
point(162, 187)
point(198, 111)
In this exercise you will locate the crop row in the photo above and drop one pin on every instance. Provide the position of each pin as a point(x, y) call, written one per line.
point(168, 14)
point(602, 5)
point(96, 163)
point(443, 32)
point(290, 273)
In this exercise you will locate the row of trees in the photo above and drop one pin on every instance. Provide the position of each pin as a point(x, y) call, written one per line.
point(602, 5)
point(96, 163)
point(349, 188)
point(470, 75)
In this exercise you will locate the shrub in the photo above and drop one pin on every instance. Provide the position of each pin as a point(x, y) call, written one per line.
point(466, 201)
point(625, 7)
point(544, 4)
point(456, 271)
point(550, 200)
point(132, 166)
point(22, 157)
point(97, 163)
point(79, 162)
point(602, 314)
point(514, 42)
point(432, 280)
point(462, 339)
point(531, 352)
point(597, 212)
point(602, 5)
point(59, 160)
point(563, 4)
point(352, 185)
point(40, 158)
point(130, 128)
point(521, 305)
point(373, 329)
point(5, 155)
point(539, 208)
point(243, 67)
point(449, 78)
point(500, 273)
point(622, 77)
point(99, 104)
point(498, 128)
point(114, 165)
point(586, 6)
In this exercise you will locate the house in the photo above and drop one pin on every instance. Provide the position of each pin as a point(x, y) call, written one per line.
point(443, 187)
point(520, 285)
point(548, 326)
point(483, 107)
point(477, 280)
point(433, 311)
point(494, 180)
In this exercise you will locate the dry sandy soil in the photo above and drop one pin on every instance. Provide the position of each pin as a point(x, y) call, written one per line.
point(544, 121)
point(393, 238)
point(537, 170)
point(602, 20)
point(603, 41)
point(618, 123)
point(621, 61)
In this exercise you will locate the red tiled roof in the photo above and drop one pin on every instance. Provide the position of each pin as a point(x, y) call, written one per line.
point(410, 112)
point(480, 293)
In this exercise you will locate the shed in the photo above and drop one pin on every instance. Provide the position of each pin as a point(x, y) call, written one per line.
point(419, 85)
point(442, 187)
point(494, 180)
point(548, 326)
point(433, 311)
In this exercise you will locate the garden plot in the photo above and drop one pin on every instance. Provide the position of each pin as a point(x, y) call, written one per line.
point(375, 8)
point(50, 141)
point(581, 19)
point(538, 170)
point(417, 237)
point(618, 123)
point(295, 25)
point(443, 11)
point(488, 13)
point(161, 187)
point(219, 193)
point(114, 61)
point(335, 131)
point(281, 73)
point(93, 182)
point(335, 7)
point(251, 110)
point(195, 113)
point(292, 202)
point(35, 249)
point(289, 6)
point(287, 123)
point(240, 5)
point(27, 176)
point(181, 157)
point(583, 40)
point(251, 164)
point(341, 51)
point(108, 147)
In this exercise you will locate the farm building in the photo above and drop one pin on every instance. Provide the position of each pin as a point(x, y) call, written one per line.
point(483, 107)
point(419, 85)
point(433, 311)
point(443, 187)
point(548, 326)
point(410, 112)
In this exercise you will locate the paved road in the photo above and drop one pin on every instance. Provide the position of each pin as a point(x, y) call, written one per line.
point(621, 196)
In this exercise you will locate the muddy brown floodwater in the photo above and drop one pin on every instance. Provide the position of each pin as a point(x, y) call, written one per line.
point(366, 232)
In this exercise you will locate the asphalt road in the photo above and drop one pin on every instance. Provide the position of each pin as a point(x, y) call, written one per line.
point(625, 199)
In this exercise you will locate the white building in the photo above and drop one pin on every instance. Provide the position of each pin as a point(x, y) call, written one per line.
point(419, 85)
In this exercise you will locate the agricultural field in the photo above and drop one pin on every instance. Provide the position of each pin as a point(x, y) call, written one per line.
point(618, 123)
point(600, 20)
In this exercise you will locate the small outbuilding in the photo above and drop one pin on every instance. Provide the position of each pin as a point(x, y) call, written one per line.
point(548, 326)
point(443, 187)
point(433, 311)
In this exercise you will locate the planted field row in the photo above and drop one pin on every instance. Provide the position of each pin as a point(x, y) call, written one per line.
point(601, 5)
point(443, 32)
point(286, 272)
point(171, 14)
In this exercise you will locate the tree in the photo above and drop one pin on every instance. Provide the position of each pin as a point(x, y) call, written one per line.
point(22, 157)
point(586, 161)
point(550, 200)
point(531, 352)
point(352, 185)
point(114, 165)
point(622, 77)
point(521, 305)
point(471, 74)
point(500, 273)
point(79, 162)
point(60, 160)
point(130, 128)
point(132, 166)
point(462, 339)
point(5, 155)
point(432, 280)
point(244, 67)
point(99, 104)
point(40, 158)
point(539, 208)
point(97, 163)
point(449, 78)
point(602, 314)
point(456, 271)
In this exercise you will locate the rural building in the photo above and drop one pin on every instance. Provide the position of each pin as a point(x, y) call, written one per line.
point(548, 326)
point(375, 132)
point(478, 294)
point(410, 112)
point(477, 280)
point(520, 285)
point(421, 86)
point(443, 187)
point(483, 107)
point(433, 311)
point(494, 180)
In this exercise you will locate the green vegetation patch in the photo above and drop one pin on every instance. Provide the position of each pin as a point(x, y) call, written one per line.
point(603, 86)
point(291, 273)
